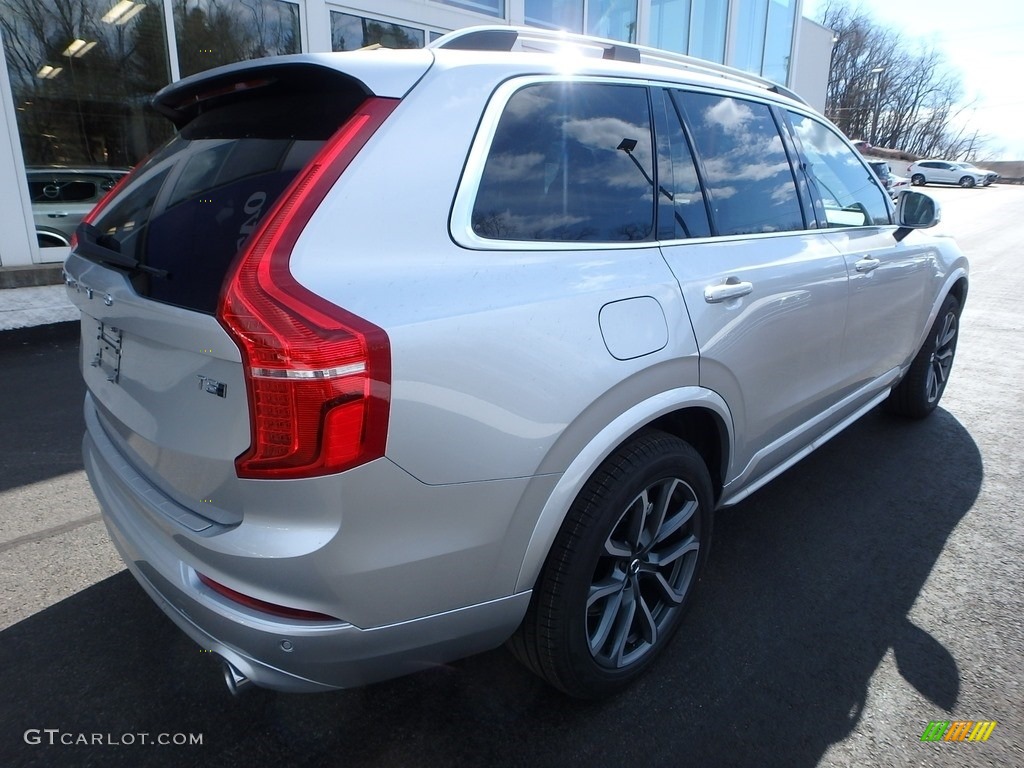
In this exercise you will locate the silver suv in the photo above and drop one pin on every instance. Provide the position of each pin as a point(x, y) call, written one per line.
point(946, 172)
point(395, 356)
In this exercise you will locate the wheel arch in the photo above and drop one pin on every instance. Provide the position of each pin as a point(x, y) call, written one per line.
point(694, 414)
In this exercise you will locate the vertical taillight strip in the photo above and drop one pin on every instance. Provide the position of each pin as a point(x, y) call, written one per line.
point(318, 377)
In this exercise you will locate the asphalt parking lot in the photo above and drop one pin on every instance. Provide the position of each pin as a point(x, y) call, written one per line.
point(875, 587)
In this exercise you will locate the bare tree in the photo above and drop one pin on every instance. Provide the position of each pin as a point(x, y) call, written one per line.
point(893, 91)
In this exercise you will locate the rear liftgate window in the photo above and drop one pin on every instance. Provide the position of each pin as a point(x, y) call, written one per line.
point(187, 211)
point(570, 162)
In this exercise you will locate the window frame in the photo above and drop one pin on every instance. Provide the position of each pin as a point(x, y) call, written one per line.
point(460, 222)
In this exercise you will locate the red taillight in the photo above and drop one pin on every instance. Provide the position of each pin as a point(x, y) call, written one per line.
point(318, 376)
point(263, 605)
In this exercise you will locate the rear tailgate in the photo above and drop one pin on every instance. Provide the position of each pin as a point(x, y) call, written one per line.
point(165, 377)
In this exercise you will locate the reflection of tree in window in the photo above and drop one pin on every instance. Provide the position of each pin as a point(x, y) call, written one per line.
point(349, 33)
point(215, 32)
point(89, 106)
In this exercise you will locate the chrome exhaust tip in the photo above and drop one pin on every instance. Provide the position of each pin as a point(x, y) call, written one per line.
point(237, 682)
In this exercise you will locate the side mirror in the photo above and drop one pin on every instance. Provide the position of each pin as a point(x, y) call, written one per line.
point(915, 210)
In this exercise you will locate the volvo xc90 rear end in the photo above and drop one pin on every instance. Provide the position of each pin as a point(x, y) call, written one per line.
point(392, 356)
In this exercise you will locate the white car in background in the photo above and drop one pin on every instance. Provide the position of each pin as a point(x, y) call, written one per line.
point(947, 172)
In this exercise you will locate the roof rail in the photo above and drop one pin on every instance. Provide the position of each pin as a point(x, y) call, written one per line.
point(508, 38)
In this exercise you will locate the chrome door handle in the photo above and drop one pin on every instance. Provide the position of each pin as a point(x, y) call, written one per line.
point(867, 264)
point(57, 215)
point(732, 288)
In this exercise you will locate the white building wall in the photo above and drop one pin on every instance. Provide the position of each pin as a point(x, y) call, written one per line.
point(809, 74)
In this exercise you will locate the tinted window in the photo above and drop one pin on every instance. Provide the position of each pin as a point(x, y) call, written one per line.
point(747, 173)
point(849, 191)
point(681, 210)
point(188, 210)
point(569, 162)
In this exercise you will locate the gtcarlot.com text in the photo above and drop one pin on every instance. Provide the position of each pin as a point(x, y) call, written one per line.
point(55, 737)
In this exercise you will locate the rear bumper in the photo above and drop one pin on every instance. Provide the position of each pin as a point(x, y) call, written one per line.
point(277, 653)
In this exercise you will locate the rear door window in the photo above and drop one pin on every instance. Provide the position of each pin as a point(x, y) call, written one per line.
point(749, 180)
point(569, 161)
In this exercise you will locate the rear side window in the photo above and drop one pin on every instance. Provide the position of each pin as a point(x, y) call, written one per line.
point(749, 180)
point(569, 162)
point(190, 207)
point(849, 192)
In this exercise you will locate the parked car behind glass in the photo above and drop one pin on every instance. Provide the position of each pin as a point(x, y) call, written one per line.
point(61, 197)
point(369, 391)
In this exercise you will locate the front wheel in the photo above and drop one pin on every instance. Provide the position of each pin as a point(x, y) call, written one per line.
point(966, 182)
point(919, 392)
point(621, 571)
point(917, 179)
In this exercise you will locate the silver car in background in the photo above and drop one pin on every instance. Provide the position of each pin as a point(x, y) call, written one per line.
point(396, 356)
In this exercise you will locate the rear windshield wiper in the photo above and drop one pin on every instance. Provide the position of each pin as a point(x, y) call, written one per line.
point(97, 246)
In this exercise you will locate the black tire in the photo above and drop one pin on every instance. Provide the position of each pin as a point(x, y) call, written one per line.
point(622, 569)
point(919, 392)
point(917, 180)
point(966, 182)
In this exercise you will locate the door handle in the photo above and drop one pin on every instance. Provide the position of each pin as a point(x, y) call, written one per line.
point(733, 288)
point(57, 215)
point(867, 264)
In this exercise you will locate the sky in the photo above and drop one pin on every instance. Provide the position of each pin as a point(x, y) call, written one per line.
point(983, 40)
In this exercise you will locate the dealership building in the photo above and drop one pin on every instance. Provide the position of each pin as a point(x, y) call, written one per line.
point(75, 79)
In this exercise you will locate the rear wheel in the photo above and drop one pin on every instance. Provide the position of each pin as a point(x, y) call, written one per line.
point(967, 182)
point(919, 392)
point(622, 569)
point(917, 179)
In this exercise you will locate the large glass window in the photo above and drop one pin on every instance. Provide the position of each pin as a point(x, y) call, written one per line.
point(707, 29)
point(349, 33)
point(848, 189)
point(748, 45)
point(778, 40)
point(215, 32)
point(612, 19)
point(748, 176)
point(569, 162)
point(489, 7)
point(670, 25)
point(555, 14)
point(81, 75)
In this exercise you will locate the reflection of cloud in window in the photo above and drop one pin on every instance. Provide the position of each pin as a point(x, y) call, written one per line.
point(526, 104)
point(607, 132)
point(784, 192)
point(731, 115)
point(734, 169)
point(513, 167)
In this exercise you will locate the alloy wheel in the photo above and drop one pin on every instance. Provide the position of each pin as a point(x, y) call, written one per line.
point(644, 573)
point(941, 361)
